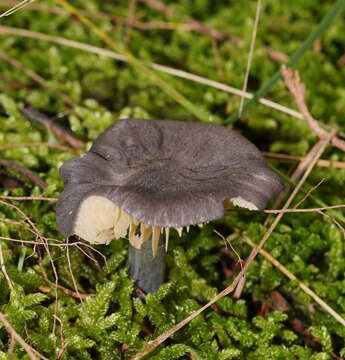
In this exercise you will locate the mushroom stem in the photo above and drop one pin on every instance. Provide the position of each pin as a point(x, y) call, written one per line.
point(145, 268)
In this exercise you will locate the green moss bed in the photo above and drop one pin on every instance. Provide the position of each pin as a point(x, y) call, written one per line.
point(39, 285)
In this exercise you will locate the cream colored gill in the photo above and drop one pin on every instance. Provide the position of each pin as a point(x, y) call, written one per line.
point(99, 221)
point(239, 201)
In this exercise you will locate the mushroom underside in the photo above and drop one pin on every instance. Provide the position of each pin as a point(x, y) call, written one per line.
point(100, 220)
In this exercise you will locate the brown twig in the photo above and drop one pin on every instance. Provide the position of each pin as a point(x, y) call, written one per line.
point(59, 131)
point(277, 56)
point(3, 269)
point(66, 291)
point(297, 89)
point(32, 353)
point(341, 61)
point(41, 198)
point(162, 68)
point(37, 78)
point(130, 19)
point(37, 144)
point(160, 339)
point(218, 59)
point(291, 276)
point(197, 26)
point(293, 159)
point(8, 181)
point(140, 25)
point(25, 171)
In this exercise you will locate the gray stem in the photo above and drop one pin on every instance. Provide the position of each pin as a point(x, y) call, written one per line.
point(146, 269)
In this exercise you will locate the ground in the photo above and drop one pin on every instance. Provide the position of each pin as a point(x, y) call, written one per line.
point(44, 283)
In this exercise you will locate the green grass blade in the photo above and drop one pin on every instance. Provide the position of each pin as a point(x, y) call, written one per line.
point(336, 10)
point(201, 113)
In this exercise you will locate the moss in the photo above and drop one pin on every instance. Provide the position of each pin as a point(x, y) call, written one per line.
point(114, 323)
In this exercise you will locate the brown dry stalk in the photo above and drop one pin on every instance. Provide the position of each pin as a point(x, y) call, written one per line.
point(162, 68)
point(277, 56)
point(197, 26)
point(37, 78)
point(32, 353)
point(25, 171)
point(297, 174)
point(153, 25)
point(297, 89)
point(293, 159)
point(291, 276)
point(41, 198)
point(37, 144)
point(57, 130)
point(3, 269)
point(160, 339)
point(45, 289)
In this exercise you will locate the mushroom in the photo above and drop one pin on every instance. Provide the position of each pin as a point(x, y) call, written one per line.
point(143, 177)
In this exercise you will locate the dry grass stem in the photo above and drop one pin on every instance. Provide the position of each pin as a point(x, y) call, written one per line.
point(196, 25)
point(38, 144)
point(32, 353)
point(162, 68)
point(251, 52)
point(16, 7)
point(37, 78)
point(297, 89)
point(24, 171)
point(25, 198)
point(3, 268)
point(160, 339)
point(57, 130)
point(297, 174)
point(293, 159)
point(66, 291)
point(291, 276)
point(140, 25)
point(277, 56)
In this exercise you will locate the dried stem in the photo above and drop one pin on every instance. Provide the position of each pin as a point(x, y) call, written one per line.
point(41, 198)
point(293, 159)
point(197, 26)
point(160, 339)
point(162, 68)
point(37, 78)
point(37, 144)
point(251, 52)
point(297, 89)
point(32, 353)
point(3, 268)
point(25, 171)
point(57, 130)
point(291, 276)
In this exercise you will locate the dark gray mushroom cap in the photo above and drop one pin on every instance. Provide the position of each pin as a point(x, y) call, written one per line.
point(166, 173)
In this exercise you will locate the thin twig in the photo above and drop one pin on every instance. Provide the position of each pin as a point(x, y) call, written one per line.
point(277, 56)
point(153, 25)
point(37, 78)
point(32, 353)
point(198, 26)
point(293, 159)
point(3, 269)
point(76, 295)
point(160, 339)
point(291, 276)
point(25, 171)
point(57, 130)
point(16, 7)
point(41, 198)
point(251, 52)
point(162, 68)
point(297, 89)
point(37, 144)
